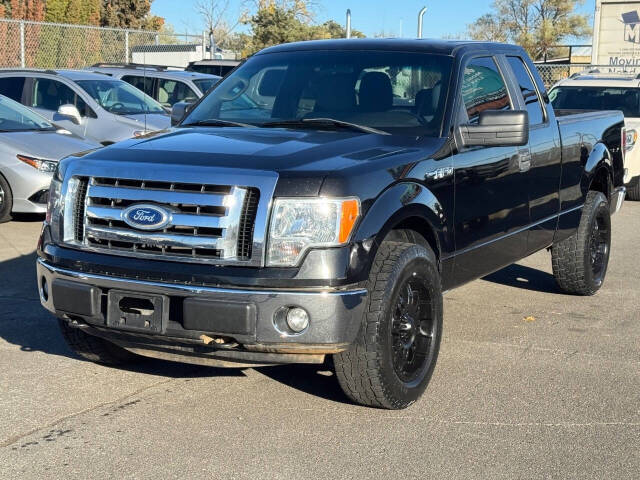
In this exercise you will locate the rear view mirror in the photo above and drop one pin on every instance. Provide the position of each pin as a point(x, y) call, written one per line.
point(178, 111)
point(70, 112)
point(497, 128)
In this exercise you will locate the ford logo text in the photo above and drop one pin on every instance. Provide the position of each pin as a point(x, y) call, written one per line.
point(146, 217)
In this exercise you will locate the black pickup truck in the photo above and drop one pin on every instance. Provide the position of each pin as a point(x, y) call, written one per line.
point(319, 201)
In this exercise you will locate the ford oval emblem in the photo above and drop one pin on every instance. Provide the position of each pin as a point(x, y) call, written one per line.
point(146, 217)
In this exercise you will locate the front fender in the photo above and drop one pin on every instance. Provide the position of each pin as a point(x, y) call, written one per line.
point(403, 201)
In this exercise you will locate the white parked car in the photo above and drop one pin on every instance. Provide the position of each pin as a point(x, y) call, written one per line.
point(607, 91)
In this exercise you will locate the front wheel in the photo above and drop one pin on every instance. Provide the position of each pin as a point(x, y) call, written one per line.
point(580, 262)
point(392, 360)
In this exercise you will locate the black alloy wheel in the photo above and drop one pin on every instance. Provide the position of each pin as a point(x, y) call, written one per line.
point(413, 330)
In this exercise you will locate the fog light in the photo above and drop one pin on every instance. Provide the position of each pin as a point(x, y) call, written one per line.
point(297, 319)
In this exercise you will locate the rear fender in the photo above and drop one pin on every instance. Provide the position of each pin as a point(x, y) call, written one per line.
point(598, 162)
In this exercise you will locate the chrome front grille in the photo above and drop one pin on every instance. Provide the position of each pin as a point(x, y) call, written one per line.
point(213, 223)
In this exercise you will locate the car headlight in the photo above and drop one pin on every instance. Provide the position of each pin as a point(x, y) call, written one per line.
point(300, 224)
point(45, 166)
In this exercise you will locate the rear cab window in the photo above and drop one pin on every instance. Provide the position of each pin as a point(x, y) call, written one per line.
point(528, 90)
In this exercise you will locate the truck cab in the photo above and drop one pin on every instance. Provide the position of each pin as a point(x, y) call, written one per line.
point(329, 220)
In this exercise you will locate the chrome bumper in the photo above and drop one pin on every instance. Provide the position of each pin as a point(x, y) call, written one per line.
point(335, 315)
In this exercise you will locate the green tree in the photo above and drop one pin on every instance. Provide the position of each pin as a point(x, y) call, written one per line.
point(536, 25)
point(129, 14)
point(335, 30)
point(284, 21)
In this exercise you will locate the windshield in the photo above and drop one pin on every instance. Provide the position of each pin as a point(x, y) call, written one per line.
point(15, 117)
point(205, 84)
point(395, 92)
point(597, 98)
point(120, 98)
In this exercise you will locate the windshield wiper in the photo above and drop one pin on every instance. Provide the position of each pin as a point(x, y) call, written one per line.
point(215, 122)
point(326, 122)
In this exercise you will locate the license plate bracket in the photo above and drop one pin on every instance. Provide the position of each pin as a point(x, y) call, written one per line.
point(136, 311)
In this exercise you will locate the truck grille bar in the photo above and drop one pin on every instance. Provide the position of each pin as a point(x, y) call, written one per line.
point(211, 223)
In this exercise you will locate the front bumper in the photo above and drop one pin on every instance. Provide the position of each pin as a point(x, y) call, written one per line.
point(199, 323)
point(27, 184)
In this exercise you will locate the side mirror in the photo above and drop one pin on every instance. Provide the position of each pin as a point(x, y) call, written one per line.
point(497, 128)
point(178, 111)
point(71, 112)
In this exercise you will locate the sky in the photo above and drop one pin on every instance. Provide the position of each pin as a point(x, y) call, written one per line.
point(393, 17)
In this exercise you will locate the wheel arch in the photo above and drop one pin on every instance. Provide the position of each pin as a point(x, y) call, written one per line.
point(598, 171)
point(405, 207)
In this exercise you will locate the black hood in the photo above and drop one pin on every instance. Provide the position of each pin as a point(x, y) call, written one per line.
point(279, 150)
point(301, 157)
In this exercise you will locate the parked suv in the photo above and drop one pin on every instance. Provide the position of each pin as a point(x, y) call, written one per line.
point(163, 84)
point(607, 91)
point(88, 104)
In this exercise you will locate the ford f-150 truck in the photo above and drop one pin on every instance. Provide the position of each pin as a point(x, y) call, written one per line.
point(328, 216)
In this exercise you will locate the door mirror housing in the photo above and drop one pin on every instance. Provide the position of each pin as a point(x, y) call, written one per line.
point(497, 128)
point(178, 111)
point(71, 112)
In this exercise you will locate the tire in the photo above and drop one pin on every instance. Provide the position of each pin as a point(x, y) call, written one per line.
point(633, 189)
point(6, 201)
point(93, 348)
point(580, 262)
point(404, 292)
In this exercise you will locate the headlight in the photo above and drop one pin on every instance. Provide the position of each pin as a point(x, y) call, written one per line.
point(45, 166)
point(61, 193)
point(299, 224)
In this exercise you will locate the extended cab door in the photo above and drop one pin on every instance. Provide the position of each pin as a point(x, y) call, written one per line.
point(491, 201)
point(544, 156)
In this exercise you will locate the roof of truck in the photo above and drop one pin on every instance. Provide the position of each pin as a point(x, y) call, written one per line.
point(443, 47)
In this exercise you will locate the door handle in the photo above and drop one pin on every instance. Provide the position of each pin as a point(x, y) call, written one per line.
point(524, 161)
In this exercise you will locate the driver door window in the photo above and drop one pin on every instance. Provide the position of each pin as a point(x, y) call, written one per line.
point(483, 88)
point(50, 95)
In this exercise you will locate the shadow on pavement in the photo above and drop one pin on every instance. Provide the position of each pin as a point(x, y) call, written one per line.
point(23, 322)
point(527, 278)
point(27, 217)
point(316, 380)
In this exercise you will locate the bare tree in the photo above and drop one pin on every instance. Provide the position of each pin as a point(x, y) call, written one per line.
point(216, 17)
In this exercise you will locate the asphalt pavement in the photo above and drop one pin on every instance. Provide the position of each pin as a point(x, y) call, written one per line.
point(531, 383)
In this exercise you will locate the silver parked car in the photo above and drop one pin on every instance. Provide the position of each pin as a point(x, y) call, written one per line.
point(166, 85)
point(88, 104)
point(30, 147)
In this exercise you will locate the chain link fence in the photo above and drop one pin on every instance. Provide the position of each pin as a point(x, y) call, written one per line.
point(25, 44)
point(552, 73)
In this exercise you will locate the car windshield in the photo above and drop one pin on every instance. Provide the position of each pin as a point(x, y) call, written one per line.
point(597, 98)
point(15, 117)
point(205, 84)
point(120, 98)
point(395, 92)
